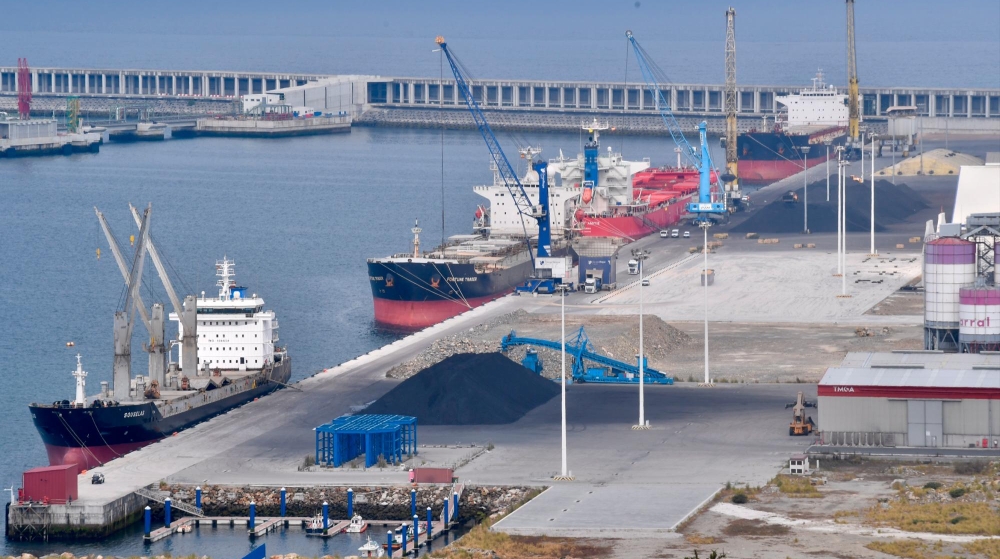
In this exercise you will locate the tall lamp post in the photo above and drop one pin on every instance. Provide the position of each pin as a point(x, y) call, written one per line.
point(842, 202)
point(563, 288)
point(805, 188)
point(640, 255)
point(871, 251)
point(828, 142)
point(840, 199)
point(705, 224)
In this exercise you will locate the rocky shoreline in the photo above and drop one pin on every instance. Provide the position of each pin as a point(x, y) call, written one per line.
point(372, 503)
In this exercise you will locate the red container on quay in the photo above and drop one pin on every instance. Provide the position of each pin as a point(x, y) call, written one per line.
point(53, 484)
point(433, 475)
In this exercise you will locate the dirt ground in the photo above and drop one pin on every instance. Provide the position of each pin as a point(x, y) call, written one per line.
point(840, 518)
point(740, 352)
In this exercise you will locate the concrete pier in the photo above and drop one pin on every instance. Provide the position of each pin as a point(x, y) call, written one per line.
point(250, 128)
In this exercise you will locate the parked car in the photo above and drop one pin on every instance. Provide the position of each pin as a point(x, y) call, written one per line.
point(645, 282)
point(664, 234)
point(687, 234)
point(675, 233)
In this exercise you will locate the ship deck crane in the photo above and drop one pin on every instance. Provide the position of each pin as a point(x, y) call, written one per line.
point(506, 171)
point(854, 113)
point(731, 177)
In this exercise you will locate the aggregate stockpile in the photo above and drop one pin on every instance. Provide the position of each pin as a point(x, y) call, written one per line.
point(468, 389)
point(894, 203)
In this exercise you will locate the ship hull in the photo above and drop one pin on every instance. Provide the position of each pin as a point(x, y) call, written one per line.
point(768, 157)
point(634, 226)
point(414, 295)
point(93, 436)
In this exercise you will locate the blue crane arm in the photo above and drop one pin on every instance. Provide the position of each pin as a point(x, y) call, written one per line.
point(581, 352)
point(506, 170)
point(668, 117)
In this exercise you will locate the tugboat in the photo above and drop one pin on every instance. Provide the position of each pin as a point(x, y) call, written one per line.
point(227, 355)
point(315, 527)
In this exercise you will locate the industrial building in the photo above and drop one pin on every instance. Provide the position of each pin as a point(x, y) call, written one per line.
point(913, 399)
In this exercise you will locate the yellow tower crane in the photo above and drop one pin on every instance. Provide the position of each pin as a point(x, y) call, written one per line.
point(731, 177)
point(852, 81)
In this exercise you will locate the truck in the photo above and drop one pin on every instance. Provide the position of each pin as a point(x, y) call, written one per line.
point(596, 273)
point(592, 284)
point(633, 267)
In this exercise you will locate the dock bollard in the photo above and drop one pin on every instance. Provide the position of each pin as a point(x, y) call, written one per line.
point(403, 533)
point(326, 516)
point(148, 526)
point(454, 499)
point(430, 520)
point(389, 541)
point(416, 531)
point(350, 503)
point(166, 512)
point(197, 497)
point(413, 502)
point(282, 502)
point(445, 517)
point(253, 514)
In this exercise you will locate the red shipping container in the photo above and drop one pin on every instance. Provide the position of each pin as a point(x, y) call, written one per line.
point(433, 475)
point(53, 484)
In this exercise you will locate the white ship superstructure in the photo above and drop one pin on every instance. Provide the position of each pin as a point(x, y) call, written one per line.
point(613, 189)
point(502, 218)
point(235, 333)
point(820, 105)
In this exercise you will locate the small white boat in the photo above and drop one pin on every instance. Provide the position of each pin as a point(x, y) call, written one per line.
point(315, 527)
point(184, 529)
point(371, 549)
point(357, 525)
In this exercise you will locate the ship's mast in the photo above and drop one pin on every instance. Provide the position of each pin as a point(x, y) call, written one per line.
point(81, 383)
point(416, 238)
point(225, 269)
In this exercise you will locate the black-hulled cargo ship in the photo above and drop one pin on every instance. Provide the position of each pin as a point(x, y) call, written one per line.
point(228, 355)
point(815, 117)
point(414, 290)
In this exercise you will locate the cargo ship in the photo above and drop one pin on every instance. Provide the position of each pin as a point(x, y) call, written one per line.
point(590, 196)
point(611, 203)
point(814, 117)
point(228, 355)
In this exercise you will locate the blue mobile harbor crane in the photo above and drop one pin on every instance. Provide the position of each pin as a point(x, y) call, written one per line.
point(521, 201)
point(603, 369)
point(704, 206)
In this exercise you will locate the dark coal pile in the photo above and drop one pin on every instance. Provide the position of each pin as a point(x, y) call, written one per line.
point(894, 203)
point(468, 389)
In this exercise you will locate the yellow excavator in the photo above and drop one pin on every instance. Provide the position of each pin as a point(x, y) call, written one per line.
point(801, 423)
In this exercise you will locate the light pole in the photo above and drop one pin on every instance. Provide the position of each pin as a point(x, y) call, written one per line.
point(828, 142)
point(840, 198)
point(640, 255)
point(563, 288)
point(805, 188)
point(843, 227)
point(705, 224)
point(871, 251)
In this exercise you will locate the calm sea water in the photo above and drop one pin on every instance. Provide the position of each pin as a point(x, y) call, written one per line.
point(300, 216)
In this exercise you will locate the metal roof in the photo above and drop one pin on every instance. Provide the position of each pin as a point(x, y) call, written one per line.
point(367, 423)
point(978, 191)
point(912, 378)
point(920, 360)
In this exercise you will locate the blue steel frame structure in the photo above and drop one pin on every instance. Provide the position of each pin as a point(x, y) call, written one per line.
point(350, 436)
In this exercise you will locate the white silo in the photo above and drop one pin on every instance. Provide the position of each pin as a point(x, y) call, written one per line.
point(979, 319)
point(949, 265)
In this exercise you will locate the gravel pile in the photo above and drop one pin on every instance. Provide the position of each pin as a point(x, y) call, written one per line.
point(474, 340)
point(468, 389)
point(894, 203)
point(659, 339)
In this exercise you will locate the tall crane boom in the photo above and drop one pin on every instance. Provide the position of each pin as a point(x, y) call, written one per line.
point(646, 66)
point(732, 185)
point(504, 168)
point(852, 77)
